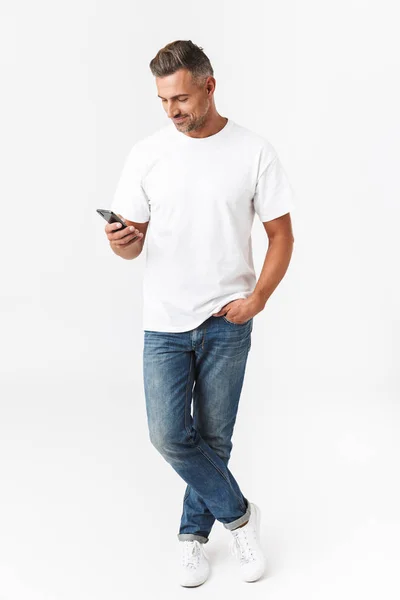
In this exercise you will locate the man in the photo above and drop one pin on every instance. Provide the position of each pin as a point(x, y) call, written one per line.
point(193, 187)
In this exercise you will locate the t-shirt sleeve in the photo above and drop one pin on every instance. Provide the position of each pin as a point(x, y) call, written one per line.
point(274, 194)
point(130, 199)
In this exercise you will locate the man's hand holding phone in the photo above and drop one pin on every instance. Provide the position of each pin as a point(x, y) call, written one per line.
point(121, 237)
point(125, 240)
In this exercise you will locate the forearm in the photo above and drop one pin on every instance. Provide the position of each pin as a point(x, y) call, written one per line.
point(274, 268)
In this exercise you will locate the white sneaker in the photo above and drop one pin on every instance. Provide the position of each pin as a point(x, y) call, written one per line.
point(194, 567)
point(245, 545)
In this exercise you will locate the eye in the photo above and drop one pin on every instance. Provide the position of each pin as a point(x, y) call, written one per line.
point(184, 100)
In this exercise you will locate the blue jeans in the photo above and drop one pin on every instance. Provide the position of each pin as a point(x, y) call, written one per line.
point(211, 359)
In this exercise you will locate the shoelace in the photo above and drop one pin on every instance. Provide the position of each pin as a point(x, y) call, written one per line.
point(191, 553)
point(241, 547)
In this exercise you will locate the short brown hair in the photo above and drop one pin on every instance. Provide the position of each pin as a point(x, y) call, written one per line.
point(182, 54)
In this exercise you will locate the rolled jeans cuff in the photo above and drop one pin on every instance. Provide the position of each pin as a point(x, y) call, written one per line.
point(239, 521)
point(192, 536)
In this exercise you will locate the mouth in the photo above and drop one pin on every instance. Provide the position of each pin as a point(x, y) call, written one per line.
point(178, 120)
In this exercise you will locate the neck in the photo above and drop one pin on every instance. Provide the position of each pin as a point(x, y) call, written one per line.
point(210, 127)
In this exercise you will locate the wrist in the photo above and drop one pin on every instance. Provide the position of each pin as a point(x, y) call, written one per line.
point(258, 301)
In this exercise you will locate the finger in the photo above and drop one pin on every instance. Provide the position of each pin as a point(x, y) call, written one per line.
point(127, 231)
point(221, 312)
point(127, 239)
point(117, 235)
point(112, 227)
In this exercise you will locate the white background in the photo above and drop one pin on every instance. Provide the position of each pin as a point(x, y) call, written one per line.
point(89, 509)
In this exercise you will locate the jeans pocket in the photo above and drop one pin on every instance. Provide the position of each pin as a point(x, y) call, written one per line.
point(236, 324)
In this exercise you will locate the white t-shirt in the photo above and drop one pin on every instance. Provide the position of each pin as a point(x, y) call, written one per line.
point(199, 196)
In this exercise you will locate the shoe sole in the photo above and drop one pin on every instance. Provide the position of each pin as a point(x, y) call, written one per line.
point(197, 583)
point(193, 584)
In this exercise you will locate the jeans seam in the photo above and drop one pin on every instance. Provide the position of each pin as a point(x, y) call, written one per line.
point(213, 464)
point(222, 475)
point(204, 336)
point(187, 409)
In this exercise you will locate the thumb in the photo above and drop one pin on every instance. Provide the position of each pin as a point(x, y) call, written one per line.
point(219, 313)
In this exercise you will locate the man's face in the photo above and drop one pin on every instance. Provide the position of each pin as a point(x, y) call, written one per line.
point(181, 98)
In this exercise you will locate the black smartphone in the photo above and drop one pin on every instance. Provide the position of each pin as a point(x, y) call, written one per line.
point(110, 216)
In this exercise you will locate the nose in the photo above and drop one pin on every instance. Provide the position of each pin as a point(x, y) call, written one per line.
point(172, 113)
